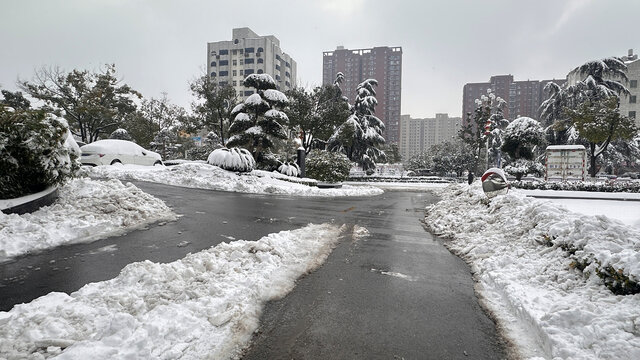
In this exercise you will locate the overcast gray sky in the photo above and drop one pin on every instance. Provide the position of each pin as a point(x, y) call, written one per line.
point(160, 45)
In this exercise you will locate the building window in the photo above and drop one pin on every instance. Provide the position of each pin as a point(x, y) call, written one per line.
point(248, 93)
point(632, 99)
point(278, 57)
point(224, 73)
point(213, 74)
point(286, 73)
point(241, 61)
point(248, 71)
point(234, 52)
point(235, 83)
point(248, 61)
point(224, 52)
point(235, 62)
point(287, 64)
point(260, 71)
point(633, 83)
point(260, 61)
point(213, 64)
point(248, 50)
point(632, 114)
point(222, 83)
point(260, 49)
point(278, 77)
point(236, 41)
point(235, 73)
point(277, 67)
point(224, 62)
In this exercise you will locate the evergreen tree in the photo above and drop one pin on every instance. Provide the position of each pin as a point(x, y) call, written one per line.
point(599, 122)
point(360, 137)
point(483, 129)
point(316, 114)
point(120, 134)
point(15, 100)
point(93, 103)
point(213, 105)
point(522, 139)
point(258, 122)
point(164, 121)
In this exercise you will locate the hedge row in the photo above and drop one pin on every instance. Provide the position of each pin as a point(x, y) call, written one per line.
point(620, 186)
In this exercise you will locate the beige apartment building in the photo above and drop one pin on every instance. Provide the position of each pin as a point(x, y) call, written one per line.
point(418, 135)
point(230, 61)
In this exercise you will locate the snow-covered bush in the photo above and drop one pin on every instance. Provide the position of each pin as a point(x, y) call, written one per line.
point(289, 169)
point(327, 166)
point(233, 159)
point(36, 151)
point(210, 143)
point(120, 134)
point(626, 186)
point(522, 167)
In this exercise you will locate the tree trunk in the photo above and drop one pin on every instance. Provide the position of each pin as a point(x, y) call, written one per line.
point(592, 160)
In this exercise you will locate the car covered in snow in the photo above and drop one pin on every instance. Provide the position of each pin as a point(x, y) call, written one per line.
point(112, 151)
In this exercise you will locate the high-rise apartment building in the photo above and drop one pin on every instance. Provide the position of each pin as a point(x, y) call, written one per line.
point(383, 64)
point(418, 135)
point(523, 98)
point(229, 62)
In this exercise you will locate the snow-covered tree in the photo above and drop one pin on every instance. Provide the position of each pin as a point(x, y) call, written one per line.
point(37, 150)
point(213, 105)
point(360, 137)
point(484, 128)
point(93, 103)
point(328, 166)
point(120, 134)
point(258, 121)
point(451, 157)
point(522, 139)
point(599, 123)
point(164, 120)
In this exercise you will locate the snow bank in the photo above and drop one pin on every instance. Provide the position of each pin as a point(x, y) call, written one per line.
point(547, 307)
point(204, 176)
point(206, 305)
point(86, 210)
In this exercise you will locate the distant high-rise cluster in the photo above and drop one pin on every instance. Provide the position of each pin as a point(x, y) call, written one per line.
point(229, 62)
point(381, 63)
point(523, 98)
point(418, 135)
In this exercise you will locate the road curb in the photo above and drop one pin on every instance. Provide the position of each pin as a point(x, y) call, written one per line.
point(44, 198)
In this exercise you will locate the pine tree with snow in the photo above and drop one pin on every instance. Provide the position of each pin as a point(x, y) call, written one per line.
point(360, 137)
point(258, 122)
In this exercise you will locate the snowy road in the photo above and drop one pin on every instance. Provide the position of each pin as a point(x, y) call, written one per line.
point(397, 292)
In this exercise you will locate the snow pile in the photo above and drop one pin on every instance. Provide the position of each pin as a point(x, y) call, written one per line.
point(204, 176)
point(86, 210)
point(206, 305)
point(524, 253)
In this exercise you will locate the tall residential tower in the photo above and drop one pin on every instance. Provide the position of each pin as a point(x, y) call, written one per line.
point(229, 62)
point(383, 64)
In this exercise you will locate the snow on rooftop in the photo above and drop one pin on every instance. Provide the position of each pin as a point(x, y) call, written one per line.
point(86, 210)
point(206, 305)
point(565, 147)
point(547, 307)
point(205, 176)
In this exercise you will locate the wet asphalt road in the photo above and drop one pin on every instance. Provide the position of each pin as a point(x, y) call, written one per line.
point(396, 294)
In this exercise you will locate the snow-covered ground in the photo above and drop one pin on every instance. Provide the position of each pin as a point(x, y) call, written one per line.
point(204, 176)
point(546, 306)
point(86, 210)
point(206, 305)
point(401, 186)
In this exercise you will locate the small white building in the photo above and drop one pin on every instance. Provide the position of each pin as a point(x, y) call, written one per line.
point(565, 162)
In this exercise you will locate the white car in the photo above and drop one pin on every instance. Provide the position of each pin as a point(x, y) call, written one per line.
point(109, 152)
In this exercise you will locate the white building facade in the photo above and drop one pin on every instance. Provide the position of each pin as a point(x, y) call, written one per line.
point(418, 135)
point(229, 62)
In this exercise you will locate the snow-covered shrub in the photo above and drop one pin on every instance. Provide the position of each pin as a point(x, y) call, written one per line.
point(522, 167)
point(269, 161)
point(36, 151)
point(626, 186)
point(120, 134)
point(289, 169)
point(327, 166)
point(233, 159)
